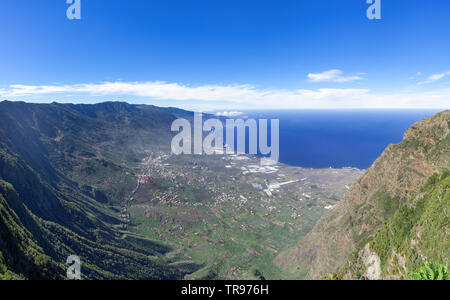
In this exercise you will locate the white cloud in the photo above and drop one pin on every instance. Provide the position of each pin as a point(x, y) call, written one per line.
point(333, 76)
point(233, 97)
point(229, 114)
point(435, 77)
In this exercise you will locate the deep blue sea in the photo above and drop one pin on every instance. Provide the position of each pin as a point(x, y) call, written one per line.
point(338, 138)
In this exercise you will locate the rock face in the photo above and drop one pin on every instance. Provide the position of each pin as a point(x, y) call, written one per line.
point(372, 263)
point(397, 203)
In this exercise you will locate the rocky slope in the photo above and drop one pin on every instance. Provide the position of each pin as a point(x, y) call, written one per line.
point(393, 218)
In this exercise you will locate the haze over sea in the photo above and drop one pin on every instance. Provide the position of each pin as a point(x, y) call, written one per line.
point(338, 138)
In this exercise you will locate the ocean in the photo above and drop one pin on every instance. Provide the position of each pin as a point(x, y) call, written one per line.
point(338, 138)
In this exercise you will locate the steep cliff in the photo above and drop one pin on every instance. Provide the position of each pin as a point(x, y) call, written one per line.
point(393, 218)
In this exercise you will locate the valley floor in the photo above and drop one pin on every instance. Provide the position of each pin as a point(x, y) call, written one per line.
point(230, 213)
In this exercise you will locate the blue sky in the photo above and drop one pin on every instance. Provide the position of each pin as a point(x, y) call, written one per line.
point(227, 54)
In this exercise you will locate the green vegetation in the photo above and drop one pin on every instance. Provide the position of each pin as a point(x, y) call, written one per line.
point(430, 271)
point(417, 230)
point(65, 171)
point(84, 180)
point(19, 252)
point(195, 205)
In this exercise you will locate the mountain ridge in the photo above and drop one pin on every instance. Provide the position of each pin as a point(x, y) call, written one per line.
point(67, 170)
point(53, 164)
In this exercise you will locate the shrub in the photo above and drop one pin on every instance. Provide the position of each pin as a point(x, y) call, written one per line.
point(430, 271)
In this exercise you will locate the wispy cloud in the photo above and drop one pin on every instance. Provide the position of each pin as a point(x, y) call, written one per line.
point(335, 75)
point(234, 97)
point(435, 77)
